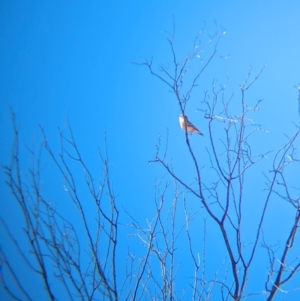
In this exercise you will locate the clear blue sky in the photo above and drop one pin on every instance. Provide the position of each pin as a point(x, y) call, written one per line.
point(75, 57)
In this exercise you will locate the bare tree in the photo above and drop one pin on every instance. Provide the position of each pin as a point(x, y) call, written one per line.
point(80, 252)
point(223, 195)
point(73, 251)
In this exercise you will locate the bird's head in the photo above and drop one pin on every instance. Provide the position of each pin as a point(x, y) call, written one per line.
point(182, 116)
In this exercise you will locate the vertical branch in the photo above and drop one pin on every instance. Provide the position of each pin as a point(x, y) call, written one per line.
point(16, 185)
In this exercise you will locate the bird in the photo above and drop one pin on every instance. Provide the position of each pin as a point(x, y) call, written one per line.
point(187, 126)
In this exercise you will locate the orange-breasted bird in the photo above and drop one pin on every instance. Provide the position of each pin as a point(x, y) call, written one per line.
point(186, 125)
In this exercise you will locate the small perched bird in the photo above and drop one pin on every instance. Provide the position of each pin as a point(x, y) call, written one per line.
point(186, 125)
